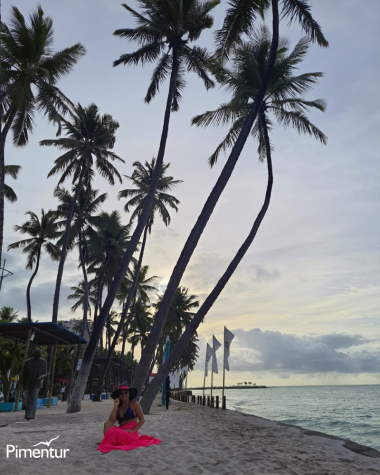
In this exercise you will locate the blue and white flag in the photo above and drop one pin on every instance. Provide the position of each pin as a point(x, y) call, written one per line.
point(215, 346)
point(228, 337)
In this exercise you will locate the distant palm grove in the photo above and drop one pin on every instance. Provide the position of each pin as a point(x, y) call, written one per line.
point(117, 298)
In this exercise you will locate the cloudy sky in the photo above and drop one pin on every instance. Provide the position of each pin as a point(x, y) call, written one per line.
point(304, 303)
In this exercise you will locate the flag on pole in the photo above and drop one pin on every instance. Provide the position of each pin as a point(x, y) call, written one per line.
point(228, 337)
point(185, 373)
point(209, 352)
point(215, 346)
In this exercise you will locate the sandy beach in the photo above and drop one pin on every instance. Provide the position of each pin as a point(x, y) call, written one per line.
point(195, 440)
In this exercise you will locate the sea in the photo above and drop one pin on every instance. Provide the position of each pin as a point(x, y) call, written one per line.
point(349, 412)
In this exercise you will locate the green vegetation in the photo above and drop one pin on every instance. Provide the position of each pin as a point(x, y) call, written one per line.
point(115, 291)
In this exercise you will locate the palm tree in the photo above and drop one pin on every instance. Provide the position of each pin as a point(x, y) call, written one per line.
point(142, 178)
point(141, 287)
point(12, 171)
point(209, 206)
point(88, 145)
point(106, 240)
point(179, 316)
point(42, 232)
point(11, 352)
point(30, 71)
point(282, 99)
point(241, 16)
point(8, 315)
point(88, 203)
point(140, 327)
point(164, 32)
point(180, 313)
point(80, 295)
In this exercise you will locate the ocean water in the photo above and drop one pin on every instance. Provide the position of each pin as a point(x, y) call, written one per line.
point(350, 412)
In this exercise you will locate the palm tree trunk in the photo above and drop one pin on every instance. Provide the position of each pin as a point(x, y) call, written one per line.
point(28, 304)
point(178, 349)
point(147, 383)
point(131, 293)
point(207, 210)
point(3, 138)
point(85, 280)
point(65, 242)
point(75, 403)
point(131, 363)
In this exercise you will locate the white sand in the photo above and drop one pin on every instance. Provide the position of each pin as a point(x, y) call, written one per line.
point(196, 440)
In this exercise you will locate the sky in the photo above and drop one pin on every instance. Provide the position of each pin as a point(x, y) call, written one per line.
point(304, 302)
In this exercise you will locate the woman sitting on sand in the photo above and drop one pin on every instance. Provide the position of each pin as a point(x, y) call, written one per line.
point(126, 411)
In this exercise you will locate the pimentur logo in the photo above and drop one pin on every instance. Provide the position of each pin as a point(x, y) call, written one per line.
point(37, 453)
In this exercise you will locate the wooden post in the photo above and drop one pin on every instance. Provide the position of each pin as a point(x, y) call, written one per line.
point(212, 377)
point(22, 369)
point(208, 401)
point(224, 402)
point(203, 400)
point(212, 401)
point(52, 374)
point(224, 377)
point(217, 402)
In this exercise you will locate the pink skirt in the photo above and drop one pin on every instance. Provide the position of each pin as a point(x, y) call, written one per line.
point(117, 438)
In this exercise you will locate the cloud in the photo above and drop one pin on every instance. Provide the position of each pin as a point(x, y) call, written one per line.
point(261, 274)
point(206, 272)
point(278, 352)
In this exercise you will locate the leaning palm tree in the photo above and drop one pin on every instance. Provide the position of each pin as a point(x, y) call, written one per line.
point(30, 71)
point(164, 33)
point(311, 28)
point(88, 145)
point(283, 102)
point(12, 171)
point(42, 231)
point(241, 17)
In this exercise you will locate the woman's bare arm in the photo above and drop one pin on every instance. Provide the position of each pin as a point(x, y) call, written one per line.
point(113, 415)
point(139, 415)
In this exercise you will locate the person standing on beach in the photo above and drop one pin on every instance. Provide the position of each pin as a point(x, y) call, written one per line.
point(167, 391)
point(35, 370)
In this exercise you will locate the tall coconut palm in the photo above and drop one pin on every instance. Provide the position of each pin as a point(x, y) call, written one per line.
point(30, 71)
point(164, 33)
point(43, 231)
point(12, 171)
point(241, 17)
point(142, 178)
point(88, 145)
point(222, 181)
point(88, 203)
point(283, 102)
point(106, 240)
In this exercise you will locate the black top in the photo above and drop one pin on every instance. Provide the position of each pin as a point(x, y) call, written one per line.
point(129, 414)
